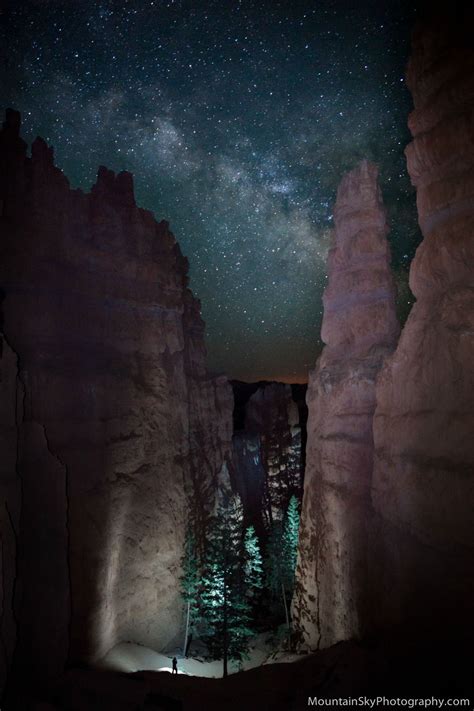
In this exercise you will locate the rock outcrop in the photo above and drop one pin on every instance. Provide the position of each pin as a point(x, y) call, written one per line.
point(423, 483)
point(273, 416)
point(249, 478)
point(359, 329)
point(268, 458)
point(268, 462)
point(112, 431)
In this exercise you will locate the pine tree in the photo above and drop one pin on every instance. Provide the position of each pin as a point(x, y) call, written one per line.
point(224, 605)
point(276, 574)
point(190, 581)
point(290, 541)
point(281, 557)
point(253, 570)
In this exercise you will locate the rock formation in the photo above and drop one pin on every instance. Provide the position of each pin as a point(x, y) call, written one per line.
point(249, 478)
point(423, 483)
point(268, 461)
point(359, 329)
point(112, 432)
point(273, 415)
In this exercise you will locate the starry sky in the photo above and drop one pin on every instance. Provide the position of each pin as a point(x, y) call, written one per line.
point(238, 119)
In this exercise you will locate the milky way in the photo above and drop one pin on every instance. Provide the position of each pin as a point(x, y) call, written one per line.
point(238, 120)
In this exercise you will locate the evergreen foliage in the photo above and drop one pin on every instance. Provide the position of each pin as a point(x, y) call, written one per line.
point(253, 566)
point(281, 557)
point(190, 582)
point(222, 589)
point(190, 567)
point(274, 560)
point(230, 571)
point(290, 542)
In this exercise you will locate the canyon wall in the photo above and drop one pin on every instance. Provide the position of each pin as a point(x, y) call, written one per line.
point(386, 540)
point(359, 329)
point(273, 416)
point(113, 431)
point(268, 457)
point(249, 478)
point(423, 484)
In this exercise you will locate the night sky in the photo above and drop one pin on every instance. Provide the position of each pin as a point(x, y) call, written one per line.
point(238, 120)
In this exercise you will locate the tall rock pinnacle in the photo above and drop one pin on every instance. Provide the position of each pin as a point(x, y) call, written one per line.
point(359, 329)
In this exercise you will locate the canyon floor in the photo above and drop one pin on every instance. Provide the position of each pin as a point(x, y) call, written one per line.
point(378, 672)
point(128, 657)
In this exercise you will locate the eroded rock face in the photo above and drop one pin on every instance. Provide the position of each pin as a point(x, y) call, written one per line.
point(423, 484)
point(11, 399)
point(249, 478)
point(272, 415)
point(112, 429)
point(359, 329)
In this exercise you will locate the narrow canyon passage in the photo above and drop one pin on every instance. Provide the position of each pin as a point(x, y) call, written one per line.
point(309, 541)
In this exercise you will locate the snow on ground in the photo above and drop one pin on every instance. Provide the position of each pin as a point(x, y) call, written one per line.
point(129, 657)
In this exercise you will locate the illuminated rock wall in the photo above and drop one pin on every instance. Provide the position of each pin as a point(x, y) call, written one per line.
point(112, 429)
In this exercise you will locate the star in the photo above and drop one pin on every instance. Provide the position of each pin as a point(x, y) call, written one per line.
point(238, 121)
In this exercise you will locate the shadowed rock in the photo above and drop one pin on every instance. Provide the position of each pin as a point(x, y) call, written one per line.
point(273, 416)
point(423, 484)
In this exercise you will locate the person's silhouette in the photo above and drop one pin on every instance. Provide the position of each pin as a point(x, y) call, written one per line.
point(175, 666)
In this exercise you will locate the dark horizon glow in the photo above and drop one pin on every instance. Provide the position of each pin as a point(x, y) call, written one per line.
point(238, 121)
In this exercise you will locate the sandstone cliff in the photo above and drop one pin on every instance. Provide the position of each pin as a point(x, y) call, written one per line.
point(423, 484)
point(273, 416)
point(112, 429)
point(268, 458)
point(249, 478)
point(359, 329)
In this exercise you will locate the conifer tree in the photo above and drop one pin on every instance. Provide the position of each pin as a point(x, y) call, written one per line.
point(224, 605)
point(190, 581)
point(253, 570)
point(281, 557)
point(290, 541)
point(276, 576)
